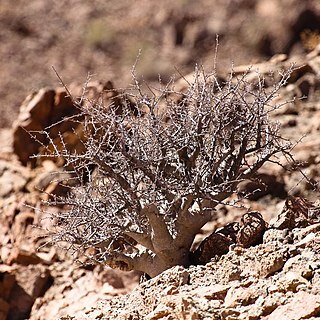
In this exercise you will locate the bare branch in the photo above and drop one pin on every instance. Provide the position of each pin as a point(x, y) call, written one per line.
point(151, 172)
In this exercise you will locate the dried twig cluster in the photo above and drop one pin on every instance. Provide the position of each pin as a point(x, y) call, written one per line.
point(153, 170)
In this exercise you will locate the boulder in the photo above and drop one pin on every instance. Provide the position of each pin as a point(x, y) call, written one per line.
point(20, 286)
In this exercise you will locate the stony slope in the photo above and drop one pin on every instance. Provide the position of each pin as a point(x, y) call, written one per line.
point(284, 269)
point(278, 279)
point(103, 38)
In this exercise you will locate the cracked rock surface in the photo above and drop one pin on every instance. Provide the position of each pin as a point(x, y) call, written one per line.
point(278, 279)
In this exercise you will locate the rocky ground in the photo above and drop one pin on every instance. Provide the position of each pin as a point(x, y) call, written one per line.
point(277, 279)
point(103, 39)
point(42, 282)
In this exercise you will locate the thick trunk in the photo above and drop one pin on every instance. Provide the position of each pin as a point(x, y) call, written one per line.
point(163, 251)
point(147, 262)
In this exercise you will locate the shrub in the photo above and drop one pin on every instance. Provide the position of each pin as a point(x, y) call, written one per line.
point(156, 167)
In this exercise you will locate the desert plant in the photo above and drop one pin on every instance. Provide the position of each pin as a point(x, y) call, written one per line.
point(156, 167)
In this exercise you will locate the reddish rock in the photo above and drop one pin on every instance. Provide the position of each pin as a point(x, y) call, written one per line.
point(38, 112)
point(4, 308)
point(263, 184)
point(19, 287)
point(302, 306)
point(51, 115)
point(297, 212)
point(8, 280)
point(34, 116)
point(22, 257)
point(31, 283)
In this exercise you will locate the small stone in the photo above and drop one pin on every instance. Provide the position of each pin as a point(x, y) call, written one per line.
point(214, 292)
point(290, 281)
point(23, 257)
point(240, 296)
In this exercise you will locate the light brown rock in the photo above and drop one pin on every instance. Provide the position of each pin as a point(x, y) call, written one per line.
point(302, 306)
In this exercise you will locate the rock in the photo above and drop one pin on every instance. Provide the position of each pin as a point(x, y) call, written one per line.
point(240, 296)
point(213, 292)
point(22, 257)
point(20, 286)
point(295, 213)
point(306, 153)
point(8, 280)
point(110, 277)
point(4, 309)
point(34, 116)
point(302, 306)
point(79, 291)
point(291, 281)
point(314, 63)
point(284, 34)
point(50, 181)
point(273, 235)
point(49, 115)
point(306, 85)
point(262, 185)
point(5, 142)
point(39, 111)
point(254, 282)
point(164, 308)
point(270, 264)
point(13, 178)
